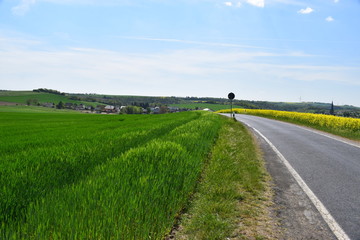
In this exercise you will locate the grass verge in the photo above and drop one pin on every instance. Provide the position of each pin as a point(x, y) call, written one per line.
point(234, 199)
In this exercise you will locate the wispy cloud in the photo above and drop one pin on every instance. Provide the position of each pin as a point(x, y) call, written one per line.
point(256, 3)
point(23, 7)
point(217, 44)
point(330, 19)
point(72, 67)
point(210, 71)
point(287, 2)
point(233, 4)
point(306, 10)
point(9, 44)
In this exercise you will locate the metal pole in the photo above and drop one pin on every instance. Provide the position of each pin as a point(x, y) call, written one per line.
point(231, 96)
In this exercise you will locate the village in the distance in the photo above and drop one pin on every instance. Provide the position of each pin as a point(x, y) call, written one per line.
point(129, 104)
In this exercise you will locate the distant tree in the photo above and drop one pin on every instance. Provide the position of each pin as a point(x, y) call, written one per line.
point(32, 101)
point(75, 98)
point(101, 108)
point(332, 112)
point(347, 114)
point(49, 91)
point(60, 105)
point(131, 110)
point(163, 109)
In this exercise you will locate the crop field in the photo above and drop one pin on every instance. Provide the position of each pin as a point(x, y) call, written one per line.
point(34, 109)
point(22, 96)
point(77, 176)
point(343, 126)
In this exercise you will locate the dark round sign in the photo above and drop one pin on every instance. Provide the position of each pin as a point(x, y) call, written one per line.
point(231, 96)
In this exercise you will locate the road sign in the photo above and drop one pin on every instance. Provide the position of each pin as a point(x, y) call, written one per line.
point(231, 96)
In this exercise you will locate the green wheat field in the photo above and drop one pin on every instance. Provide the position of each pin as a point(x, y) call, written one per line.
point(78, 176)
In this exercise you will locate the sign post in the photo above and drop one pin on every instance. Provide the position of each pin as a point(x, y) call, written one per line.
point(231, 96)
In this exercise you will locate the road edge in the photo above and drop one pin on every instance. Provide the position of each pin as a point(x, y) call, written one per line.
point(325, 214)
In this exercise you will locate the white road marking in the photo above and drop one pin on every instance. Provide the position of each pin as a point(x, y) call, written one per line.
point(334, 226)
point(329, 136)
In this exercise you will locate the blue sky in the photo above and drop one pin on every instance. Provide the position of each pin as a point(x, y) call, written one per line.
point(272, 50)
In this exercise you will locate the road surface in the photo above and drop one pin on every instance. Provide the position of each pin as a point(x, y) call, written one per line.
point(329, 167)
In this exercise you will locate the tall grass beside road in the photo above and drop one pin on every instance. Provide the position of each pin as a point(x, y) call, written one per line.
point(233, 198)
point(342, 126)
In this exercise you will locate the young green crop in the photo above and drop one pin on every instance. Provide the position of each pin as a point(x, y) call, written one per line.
point(21, 97)
point(108, 177)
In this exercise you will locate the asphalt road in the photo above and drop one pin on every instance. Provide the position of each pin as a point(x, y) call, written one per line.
point(330, 168)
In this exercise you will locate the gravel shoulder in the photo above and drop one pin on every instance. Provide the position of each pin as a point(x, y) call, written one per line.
point(298, 217)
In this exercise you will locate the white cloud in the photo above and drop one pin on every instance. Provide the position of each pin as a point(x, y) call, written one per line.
point(208, 70)
point(306, 10)
point(257, 3)
point(23, 7)
point(211, 44)
point(232, 4)
point(330, 19)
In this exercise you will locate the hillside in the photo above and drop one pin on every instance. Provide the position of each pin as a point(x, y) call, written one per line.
point(40, 96)
point(218, 103)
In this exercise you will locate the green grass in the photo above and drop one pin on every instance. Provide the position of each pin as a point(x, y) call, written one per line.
point(84, 176)
point(79, 176)
point(22, 96)
point(230, 199)
point(16, 93)
point(214, 107)
point(33, 109)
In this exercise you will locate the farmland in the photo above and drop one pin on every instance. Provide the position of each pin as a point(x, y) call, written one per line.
point(76, 176)
point(41, 96)
point(342, 126)
point(33, 109)
point(21, 97)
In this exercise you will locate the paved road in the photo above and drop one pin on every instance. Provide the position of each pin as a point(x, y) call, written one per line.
point(329, 167)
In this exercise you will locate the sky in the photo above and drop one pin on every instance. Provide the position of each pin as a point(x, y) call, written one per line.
point(269, 50)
